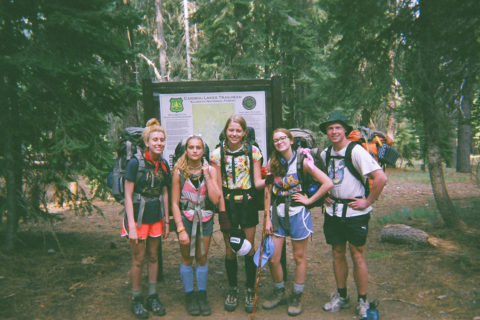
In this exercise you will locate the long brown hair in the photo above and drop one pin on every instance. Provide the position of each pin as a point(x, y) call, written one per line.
point(276, 167)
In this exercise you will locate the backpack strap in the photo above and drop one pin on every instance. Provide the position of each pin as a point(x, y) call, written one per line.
point(250, 163)
point(301, 177)
point(353, 170)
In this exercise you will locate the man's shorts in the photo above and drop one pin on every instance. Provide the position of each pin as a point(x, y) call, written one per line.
point(301, 225)
point(339, 231)
point(152, 230)
point(207, 226)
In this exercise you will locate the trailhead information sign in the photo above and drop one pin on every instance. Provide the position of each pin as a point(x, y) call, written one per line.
point(205, 114)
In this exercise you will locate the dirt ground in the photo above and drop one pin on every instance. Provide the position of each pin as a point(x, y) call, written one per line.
point(87, 277)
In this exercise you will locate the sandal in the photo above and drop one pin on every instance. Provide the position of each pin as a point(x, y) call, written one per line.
point(138, 309)
point(154, 305)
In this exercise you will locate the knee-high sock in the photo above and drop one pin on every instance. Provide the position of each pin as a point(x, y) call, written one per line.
point(231, 266)
point(250, 271)
point(186, 273)
point(202, 277)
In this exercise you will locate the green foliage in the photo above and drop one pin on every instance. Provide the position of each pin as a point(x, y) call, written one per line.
point(59, 81)
point(260, 39)
point(407, 143)
point(405, 214)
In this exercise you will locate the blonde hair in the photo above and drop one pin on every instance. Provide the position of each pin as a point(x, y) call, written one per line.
point(153, 125)
point(182, 163)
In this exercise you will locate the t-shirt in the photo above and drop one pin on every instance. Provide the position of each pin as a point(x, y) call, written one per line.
point(288, 185)
point(242, 167)
point(345, 185)
point(152, 211)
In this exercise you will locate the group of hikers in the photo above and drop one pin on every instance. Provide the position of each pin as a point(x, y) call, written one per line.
point(226, 182)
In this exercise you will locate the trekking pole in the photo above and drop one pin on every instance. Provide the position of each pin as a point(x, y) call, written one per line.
point(259, 267)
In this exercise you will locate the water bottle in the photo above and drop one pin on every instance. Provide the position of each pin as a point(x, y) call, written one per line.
point(312, 189)
point(372, 312)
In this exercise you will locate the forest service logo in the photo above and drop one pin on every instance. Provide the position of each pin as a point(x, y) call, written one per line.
point(249, 102)
point(176, 104)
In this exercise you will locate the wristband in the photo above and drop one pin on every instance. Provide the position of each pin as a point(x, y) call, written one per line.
point(180, 230)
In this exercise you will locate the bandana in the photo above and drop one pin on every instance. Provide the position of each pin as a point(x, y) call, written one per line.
point(157, 163)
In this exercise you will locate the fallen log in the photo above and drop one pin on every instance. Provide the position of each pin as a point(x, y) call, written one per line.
point(403, 234)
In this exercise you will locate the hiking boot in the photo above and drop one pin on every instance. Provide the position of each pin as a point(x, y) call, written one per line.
point(336, 303)
point(249, 299)
point(205, 309)
point(154, 305)
point(294, 304)
point(191, 303)
point(362, 308)
point(276, 298)
point(231, 300)
point(138, 309)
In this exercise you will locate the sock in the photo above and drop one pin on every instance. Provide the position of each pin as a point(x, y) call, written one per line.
point(186, 273)
point(362, 296)
point(250, 272)
point(279, 285)
point(298, 287)
point(136, 293)
point(202, 277)
point(342, 292)
point(152, 288)
point(231, 266)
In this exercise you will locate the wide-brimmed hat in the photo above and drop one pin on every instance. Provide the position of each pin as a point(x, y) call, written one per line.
point(239, 244)
point(336, 117)
point(267, 253)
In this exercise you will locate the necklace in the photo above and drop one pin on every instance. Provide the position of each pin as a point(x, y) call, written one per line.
point(195, 168)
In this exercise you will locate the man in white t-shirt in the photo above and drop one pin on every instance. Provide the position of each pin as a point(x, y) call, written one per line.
point(348, 209)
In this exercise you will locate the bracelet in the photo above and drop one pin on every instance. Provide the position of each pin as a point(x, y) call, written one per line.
point(180, 230)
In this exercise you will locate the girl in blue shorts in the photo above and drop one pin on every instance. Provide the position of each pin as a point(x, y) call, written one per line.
point(290, 216)
point(194, 193)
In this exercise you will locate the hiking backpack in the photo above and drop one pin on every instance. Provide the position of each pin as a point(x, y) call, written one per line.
point(307, 140)
point(378, 144)
point(130, 145)
point(257, 195)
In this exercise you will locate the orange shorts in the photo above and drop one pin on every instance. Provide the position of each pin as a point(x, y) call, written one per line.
point(152, 230)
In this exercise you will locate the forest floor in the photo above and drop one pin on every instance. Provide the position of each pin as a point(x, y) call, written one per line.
point(87, 277)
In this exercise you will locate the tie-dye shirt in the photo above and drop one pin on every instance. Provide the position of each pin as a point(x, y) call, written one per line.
point(242, 167)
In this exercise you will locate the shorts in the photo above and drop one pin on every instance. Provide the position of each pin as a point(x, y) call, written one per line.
point(152, 230)
point(301, 225)
point(207, 226)
point(339, 231)
point(242, 214)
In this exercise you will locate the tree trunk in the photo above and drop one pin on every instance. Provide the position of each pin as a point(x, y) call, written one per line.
point(160, 40)
point(439, 188)
point(187, 38)
point(392, 96)
point(12, 195)
point(464, 133)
